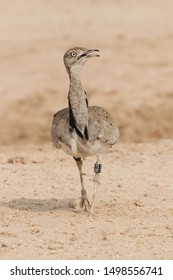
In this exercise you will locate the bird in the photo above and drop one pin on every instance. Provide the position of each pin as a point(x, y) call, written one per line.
point(81, 130)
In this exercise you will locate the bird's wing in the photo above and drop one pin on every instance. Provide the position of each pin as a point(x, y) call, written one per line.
point(102, 126)
point(60, 128)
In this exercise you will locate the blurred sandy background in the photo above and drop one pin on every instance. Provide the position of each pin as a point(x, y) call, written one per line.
point(133, 80)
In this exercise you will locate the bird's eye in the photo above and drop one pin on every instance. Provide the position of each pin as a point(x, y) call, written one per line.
point(73, 54)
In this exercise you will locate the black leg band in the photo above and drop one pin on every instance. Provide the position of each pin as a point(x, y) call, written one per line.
point(97, 167)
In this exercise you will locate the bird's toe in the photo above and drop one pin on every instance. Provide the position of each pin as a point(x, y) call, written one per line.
point(85, 204)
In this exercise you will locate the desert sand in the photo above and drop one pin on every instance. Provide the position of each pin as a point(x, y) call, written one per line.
point(132, 79)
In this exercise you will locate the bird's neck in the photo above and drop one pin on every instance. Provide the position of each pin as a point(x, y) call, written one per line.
point(75, 83)
point(78, 105)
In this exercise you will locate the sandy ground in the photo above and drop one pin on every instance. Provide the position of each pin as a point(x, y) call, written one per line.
point(132, 79)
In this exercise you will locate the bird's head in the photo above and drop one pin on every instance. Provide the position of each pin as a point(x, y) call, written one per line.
point(75, 58)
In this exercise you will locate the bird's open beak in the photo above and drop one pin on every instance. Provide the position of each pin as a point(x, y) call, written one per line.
point(90, 53)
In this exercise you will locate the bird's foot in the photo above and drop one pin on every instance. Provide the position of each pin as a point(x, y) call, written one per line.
point(85, 204)
point(80, 206)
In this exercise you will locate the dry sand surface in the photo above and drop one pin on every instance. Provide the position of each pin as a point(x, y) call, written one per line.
point(133, 80)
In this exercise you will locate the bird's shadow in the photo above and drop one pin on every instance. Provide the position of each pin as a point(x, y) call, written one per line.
point(37, 205)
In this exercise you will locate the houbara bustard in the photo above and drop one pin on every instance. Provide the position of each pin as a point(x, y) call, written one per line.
point(81, 130)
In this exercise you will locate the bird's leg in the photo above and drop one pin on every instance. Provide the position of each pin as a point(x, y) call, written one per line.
point(84, 203)
point(96, 180)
